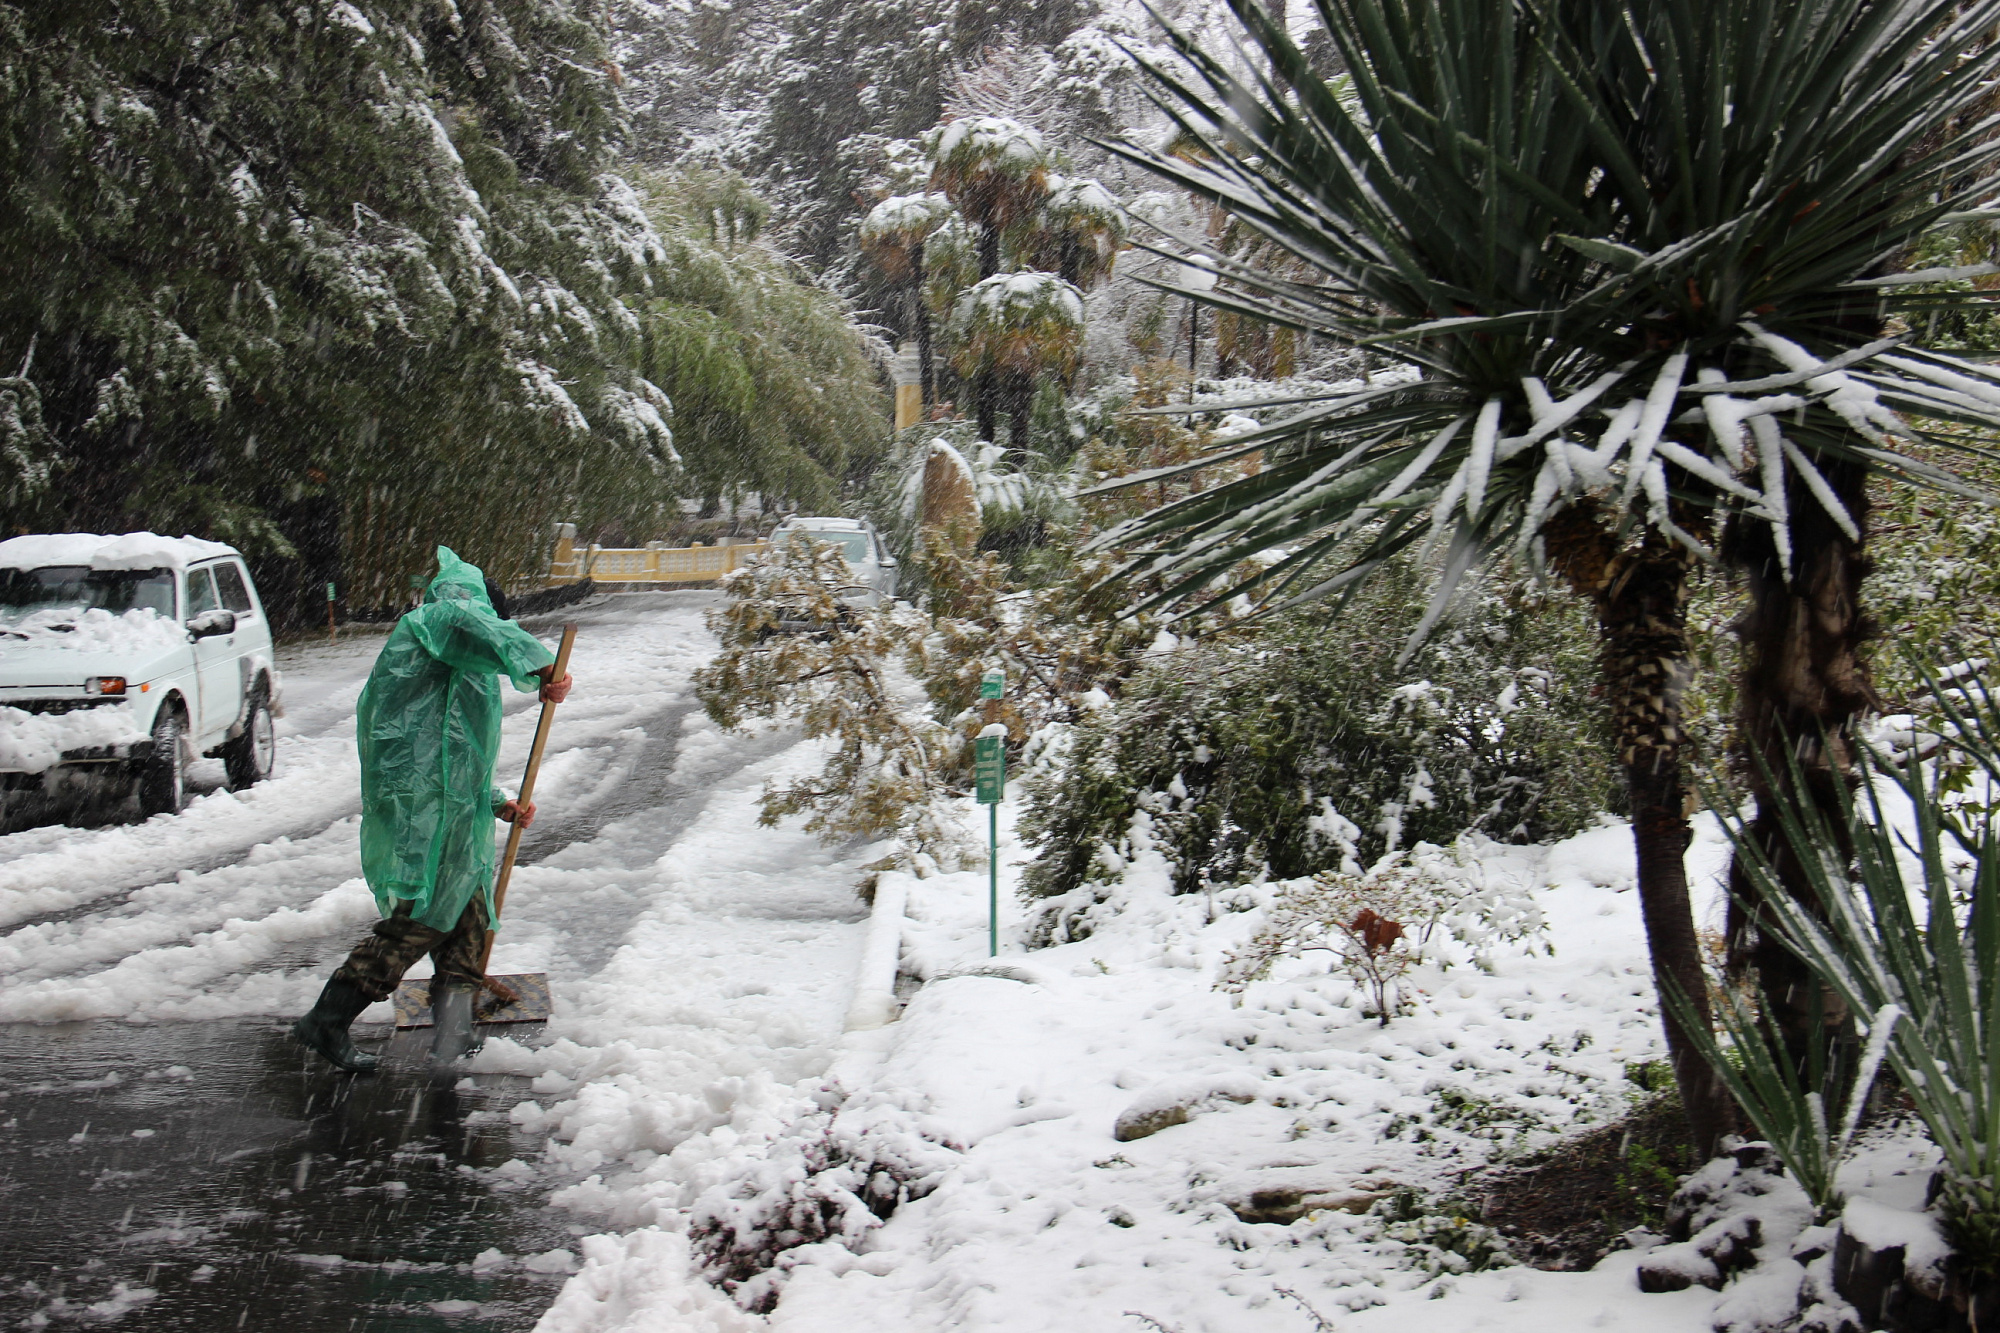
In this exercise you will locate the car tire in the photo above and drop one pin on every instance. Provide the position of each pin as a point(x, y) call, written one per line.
point(249, 759)
point(163, 777)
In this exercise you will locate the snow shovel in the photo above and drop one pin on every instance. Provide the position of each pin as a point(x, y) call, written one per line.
point(522, 997)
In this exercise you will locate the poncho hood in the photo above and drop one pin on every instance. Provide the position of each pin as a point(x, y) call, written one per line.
point(457, 580)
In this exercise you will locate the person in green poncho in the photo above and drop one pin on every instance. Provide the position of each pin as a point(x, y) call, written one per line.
point(428, 728)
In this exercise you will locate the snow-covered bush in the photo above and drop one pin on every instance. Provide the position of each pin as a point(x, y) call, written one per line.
point(833, 1176)
point(1377, 926)
point(1060, 645)
point(1437, 1238)
point(794, 651)
point(1924, 989)
point(1301, 747)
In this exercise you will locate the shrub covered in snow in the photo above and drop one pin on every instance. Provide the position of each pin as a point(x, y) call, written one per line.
point(1303, 748)
point(831, 1177)
point(792, 650)
point(1378, 925)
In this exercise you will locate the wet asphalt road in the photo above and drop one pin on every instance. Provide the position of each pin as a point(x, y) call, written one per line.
point(210, 1176)
point(263, 1192)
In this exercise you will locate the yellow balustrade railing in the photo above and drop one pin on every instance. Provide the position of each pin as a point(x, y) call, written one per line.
point(645, 564)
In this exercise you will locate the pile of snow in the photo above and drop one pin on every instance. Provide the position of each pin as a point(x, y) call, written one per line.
point(132, 550)
point(36, 742)
point(94, 630)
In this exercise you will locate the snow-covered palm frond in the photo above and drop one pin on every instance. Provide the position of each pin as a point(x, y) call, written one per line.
point(896, 229)
point(1078, 232)
point(1018, 323)
point(993, 169)
point(1670, 330)
point(1000, 486)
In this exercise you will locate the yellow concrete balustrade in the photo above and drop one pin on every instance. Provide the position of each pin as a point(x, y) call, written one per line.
point(645, 564)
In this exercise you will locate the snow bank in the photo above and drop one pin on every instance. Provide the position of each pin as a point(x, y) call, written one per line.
point(132, 550)
point(36, 742)
point(639, 1283)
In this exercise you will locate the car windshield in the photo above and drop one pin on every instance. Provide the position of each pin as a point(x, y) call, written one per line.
point(853, 545)
point(23, 592)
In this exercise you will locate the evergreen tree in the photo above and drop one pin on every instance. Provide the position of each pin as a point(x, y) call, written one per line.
point(369, 252)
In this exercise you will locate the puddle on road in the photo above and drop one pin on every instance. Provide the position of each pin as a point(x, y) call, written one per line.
point(212, 1176)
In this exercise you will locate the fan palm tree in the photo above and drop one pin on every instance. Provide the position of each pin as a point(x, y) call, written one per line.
point(894, 235)
point(1628, 276)
point(995, 171)
point(1012, 329)
point(1076, 234)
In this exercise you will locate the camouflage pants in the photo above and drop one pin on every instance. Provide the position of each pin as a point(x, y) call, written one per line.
point(396, 943)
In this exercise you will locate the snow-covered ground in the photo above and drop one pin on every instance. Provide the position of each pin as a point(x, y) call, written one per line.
point(699, 1095)
point(999, 1089)
point(993, 1106)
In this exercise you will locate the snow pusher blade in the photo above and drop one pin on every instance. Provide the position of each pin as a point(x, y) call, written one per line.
point(522, 997)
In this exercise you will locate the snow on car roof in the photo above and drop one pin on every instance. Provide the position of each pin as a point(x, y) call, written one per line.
point(131, 550)
point(825, 524)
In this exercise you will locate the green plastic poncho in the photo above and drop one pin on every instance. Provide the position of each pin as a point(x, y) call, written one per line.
point(429, 734)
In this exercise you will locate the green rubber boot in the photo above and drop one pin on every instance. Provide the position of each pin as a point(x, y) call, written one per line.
point(325, 1028)
point(451, 1012)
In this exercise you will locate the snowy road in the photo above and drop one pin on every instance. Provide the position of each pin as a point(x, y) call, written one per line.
point(148, 1095)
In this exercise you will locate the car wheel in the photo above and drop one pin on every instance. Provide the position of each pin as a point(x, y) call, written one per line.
point(249, 758)
point(163, 777)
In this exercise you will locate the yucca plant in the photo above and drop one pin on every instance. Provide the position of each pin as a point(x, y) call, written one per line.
point(1632, 279)
point(1788, 1102)
point(1909, 928)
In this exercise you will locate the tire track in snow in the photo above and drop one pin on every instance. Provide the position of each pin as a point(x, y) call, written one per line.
point(191, 947)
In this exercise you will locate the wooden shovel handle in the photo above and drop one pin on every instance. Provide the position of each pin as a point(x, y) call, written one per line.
point(527, 795)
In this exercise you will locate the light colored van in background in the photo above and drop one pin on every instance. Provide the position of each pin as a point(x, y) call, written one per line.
point(868, 557)
point(124, 657)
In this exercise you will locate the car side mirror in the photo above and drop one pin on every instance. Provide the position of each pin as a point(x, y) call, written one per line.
point(211, 623)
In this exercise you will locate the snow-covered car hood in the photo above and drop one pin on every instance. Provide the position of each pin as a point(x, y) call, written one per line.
point(137, 645)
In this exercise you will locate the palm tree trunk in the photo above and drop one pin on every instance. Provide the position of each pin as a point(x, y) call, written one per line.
point(987, 388)
point(1640, 595)
point(920, 316)
point(1802, 683)
point(1020, 395)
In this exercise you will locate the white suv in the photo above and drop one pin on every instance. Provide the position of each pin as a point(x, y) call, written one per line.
point(124, 657)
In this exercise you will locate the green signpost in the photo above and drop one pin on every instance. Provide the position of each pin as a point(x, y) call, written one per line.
point(989, 776)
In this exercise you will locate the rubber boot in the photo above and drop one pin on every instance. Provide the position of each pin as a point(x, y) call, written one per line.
point(451, 1014)
point(325, 1028)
